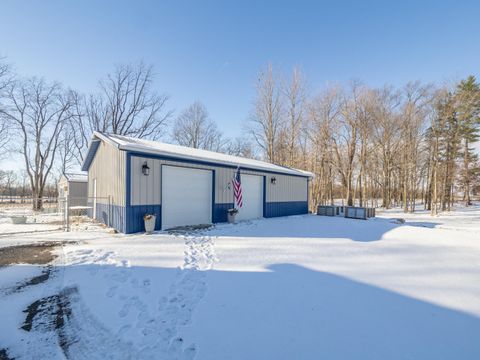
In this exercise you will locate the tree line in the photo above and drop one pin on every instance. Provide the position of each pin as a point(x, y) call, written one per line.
point(373, 146)
point(50, 125)
point(368, 146)
point(15, 187)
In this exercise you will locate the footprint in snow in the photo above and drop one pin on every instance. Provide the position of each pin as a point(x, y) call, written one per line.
point(112, 291)
point(125, 263)
point(124, 310)
point(175, 349)
point(124, 329)
point(146, 286)
point(107, 258)
point(85, 252)
point(121, 276)
point(93, 269)
point(175, 346)
point(189, 352)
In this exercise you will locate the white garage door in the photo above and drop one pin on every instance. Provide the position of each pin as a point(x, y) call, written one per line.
point(186, 196)
point(252, 193)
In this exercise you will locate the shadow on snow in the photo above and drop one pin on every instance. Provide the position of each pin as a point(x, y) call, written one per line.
point(313, 226)
point(286, 312)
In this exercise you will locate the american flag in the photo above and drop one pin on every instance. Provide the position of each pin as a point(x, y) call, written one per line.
point(237, 189)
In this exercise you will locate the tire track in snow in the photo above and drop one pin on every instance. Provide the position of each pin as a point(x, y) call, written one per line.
point(58, 324)
point(83, 336)
point(64, 321)
point(39, 338)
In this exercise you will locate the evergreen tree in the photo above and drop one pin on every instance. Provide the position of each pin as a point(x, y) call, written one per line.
point(468, 114)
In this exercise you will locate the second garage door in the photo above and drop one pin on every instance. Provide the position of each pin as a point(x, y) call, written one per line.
point(252, 194)
point(186, 196)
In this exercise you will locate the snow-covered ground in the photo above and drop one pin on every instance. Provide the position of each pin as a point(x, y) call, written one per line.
point(36, 222)
point(463, 218)
point(300, 287)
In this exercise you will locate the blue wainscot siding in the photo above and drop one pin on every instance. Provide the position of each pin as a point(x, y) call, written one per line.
point(90, 209)
point(220, 212)
point(129, 219)
point(103, 211)
point(287, 208)
point(119, 218)
point(135, 222)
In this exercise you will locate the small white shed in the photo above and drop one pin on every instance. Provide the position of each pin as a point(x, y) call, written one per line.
point(75, 186)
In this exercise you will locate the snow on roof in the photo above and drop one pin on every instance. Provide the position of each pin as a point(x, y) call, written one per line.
point(76, 177)
point(155, 147)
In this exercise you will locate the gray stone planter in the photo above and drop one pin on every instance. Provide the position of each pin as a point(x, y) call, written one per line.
point(18, 219)
point(231, 218)
point(150, 224)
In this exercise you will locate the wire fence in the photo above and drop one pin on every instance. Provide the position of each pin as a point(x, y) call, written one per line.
point(78, 209)
point(18, 214)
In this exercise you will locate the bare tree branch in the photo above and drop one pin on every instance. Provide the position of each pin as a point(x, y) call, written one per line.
point(126, 105)
point(194, 128)
point(38, 111)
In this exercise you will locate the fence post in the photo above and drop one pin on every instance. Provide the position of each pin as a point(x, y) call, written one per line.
point(109, 210)
point(67, 211)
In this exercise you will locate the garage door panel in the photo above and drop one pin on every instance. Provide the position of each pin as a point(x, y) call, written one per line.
point(252, 194)
point(186, 196)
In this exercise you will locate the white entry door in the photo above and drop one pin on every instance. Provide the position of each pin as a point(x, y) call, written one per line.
point(186, 196)
point(252, 194)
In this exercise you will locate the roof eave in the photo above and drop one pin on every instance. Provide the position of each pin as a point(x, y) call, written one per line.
point(141, 149)
point(92, 150)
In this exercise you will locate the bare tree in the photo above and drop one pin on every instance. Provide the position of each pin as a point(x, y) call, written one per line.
point(295, 96)
point(386, 133)
point(414, 115)
point(346, 138)
point(438, 117)
point(3, 181)
point(38, 111)
point(324, 111)
point(239, 146)
point(80, 127)
point(126, 105)
point(8, 183)
point(131, 106)
point(194, 128)
point(66, 149)
point(23, 184)
point(5, 74)
point(266, 120)
point(5, 81)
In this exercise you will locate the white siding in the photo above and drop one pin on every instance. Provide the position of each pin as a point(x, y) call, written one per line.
point(108, 167)
point(286, 188)
point(77, 189)
point(145, 190)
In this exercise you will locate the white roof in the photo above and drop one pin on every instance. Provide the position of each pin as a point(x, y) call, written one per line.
point(76, 177)
point(183, 152)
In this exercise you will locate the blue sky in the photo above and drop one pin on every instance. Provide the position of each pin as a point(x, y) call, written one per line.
point(212, 50)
